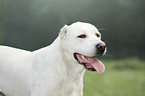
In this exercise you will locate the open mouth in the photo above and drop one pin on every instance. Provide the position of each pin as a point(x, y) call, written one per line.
point(90, 63)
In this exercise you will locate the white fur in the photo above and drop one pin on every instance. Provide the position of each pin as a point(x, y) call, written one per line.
point(49, 71)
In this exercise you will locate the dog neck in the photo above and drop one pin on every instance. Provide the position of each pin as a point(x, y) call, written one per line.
point(72, 72)
point(73, 83)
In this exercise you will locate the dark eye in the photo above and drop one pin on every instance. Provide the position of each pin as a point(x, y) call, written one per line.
point(98, 35)
point(82, 36)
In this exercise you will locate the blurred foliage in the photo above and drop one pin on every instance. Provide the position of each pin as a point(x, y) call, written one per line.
point(31, 24)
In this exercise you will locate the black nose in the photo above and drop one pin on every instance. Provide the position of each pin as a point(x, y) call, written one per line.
point(100, 48)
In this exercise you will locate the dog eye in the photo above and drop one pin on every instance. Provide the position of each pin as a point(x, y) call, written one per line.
point(82, 36)
point(98, 35)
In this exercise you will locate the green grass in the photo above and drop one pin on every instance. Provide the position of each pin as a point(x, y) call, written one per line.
point(121, 78)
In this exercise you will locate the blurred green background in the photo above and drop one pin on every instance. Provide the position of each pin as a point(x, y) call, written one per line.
point(32, 24)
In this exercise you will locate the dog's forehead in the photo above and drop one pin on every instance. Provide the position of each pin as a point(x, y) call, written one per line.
point(83, 28)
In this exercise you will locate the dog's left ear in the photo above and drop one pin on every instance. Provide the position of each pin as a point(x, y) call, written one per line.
point(63, 31)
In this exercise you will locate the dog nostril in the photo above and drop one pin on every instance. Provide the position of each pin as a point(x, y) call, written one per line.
point(101, 46)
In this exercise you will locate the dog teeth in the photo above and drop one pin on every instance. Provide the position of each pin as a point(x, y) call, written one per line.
point(86, 59)
point(83, 57)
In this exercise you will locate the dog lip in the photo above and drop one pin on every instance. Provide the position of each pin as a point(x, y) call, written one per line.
point(85, 55)
point(85, 64)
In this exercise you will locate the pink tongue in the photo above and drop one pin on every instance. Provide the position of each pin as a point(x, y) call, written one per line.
point(97, 64)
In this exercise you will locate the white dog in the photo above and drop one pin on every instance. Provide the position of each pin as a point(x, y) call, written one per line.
point(55, 70)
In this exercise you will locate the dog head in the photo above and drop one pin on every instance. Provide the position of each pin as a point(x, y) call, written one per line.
point(82, 41)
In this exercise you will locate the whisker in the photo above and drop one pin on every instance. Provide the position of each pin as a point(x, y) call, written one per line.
point(100, 29)
point(107, 54)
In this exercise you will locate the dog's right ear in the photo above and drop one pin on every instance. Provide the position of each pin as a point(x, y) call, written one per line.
point(63, 31)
